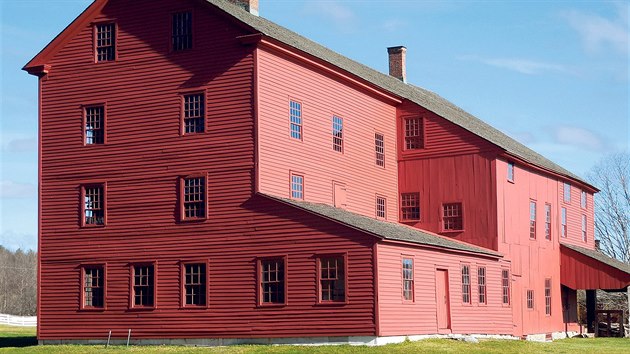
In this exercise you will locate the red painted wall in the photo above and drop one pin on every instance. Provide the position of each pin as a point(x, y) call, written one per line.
point(401, 317)
point(581, 272)
point(281, 79)
point(141, 163)
point(574, 217)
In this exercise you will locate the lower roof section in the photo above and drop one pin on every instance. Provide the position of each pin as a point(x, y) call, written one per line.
point(583, 268)
point(384, 229)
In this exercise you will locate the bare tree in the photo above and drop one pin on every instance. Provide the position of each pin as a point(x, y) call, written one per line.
point(612, 205)
point(18, 282)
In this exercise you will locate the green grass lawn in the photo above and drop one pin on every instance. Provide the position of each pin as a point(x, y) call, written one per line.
point(22, 340)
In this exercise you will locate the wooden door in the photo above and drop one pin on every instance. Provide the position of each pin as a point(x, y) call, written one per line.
point(443, 301)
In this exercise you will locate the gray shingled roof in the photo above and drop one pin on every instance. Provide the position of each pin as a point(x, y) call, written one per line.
point(383, 229)
point(425, 98)
point(600, 257)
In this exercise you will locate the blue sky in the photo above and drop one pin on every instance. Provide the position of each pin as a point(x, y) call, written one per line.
point(553, 75)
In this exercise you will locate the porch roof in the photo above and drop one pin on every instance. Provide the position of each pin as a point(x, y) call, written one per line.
point(583, 268)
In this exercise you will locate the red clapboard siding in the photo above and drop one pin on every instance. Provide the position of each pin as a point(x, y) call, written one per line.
point(282, 79)
point(463, 178)
point(581, 272)
point(399, 317)
point(142, 161)
point(574, 217)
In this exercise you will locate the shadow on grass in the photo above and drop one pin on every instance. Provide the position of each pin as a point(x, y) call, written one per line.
point(25, 341)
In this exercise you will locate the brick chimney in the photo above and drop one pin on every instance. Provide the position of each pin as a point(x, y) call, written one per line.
point(250, 6)
point(398, 62)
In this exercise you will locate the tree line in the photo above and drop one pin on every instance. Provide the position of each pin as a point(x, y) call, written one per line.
point(18, 282)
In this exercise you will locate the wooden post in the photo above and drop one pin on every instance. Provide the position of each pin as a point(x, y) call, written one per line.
point(591, 306)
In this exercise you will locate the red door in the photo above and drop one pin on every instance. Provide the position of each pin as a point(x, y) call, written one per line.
point(443, 302)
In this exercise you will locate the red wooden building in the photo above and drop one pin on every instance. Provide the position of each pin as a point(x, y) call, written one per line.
point(209, 177)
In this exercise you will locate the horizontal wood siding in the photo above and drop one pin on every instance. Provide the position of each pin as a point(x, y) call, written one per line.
point(533, 260)
point(580, 272)
point(441, 137)
point(574, 217)
point(399, 317)
point(141, 163)
point(465, 179)
point(281, 79)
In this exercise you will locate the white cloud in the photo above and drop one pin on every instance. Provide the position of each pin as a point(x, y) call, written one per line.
point(10, 189)
point(333, 11)
point(598, 33)
point(20, 145)
point(578, 137)
point(393, 25)
point(523, 66)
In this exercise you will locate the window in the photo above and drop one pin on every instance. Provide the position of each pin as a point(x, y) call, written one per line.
point(532, 219)
point(567, 193)
point(295, 114)
point(548, 297)
point(194, 198)
point(452, 217)
point(332, 280)
point(94, 125)
point(410, 206)
point(181, 38)
point(297, 187)
point(194, 113)
point(510, 171)
point(548, 221)
point(564, 222)
point(530, 299)
point(337, 133)
point(105, 42)
point(143, 285)
point(407, 274)
point(505, 286)
point(413, 134)
point(93, 287)
point(379, 146)
point(195, 284)
point(466, 284)
point(481, 282)
point(93, 205)
point(381, 203)
point(583, 199)
point(272, 281)
point(584, 228)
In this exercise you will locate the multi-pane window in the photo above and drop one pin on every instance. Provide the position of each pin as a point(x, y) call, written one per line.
point(410, 206)
point(466, 284)
point(295, 114)
point(194, 113)
point(94, 125)
point(510, 171)
point(297, 186)
point(567, 192)
point(181, 37)
point(379, 147)
point(337, 133)
point(105, 42)
point(548, 297)
point(93, 205)
point(332, 279)
point(481, 282)
point(548, 221)
point(413, 134)
point(93, 287)
point(564, 222)
point(452, 217)
point(583, 199)
point(505, 286)
point(195, 284)
point(380, 207)
point(194, 201)
point(532, 219)
point(407, 275)
point(584, 238)
point(143, 286)
point(530, 299)
point(272, 281)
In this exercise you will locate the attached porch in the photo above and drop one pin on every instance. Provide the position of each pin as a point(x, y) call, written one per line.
point(586, 269)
